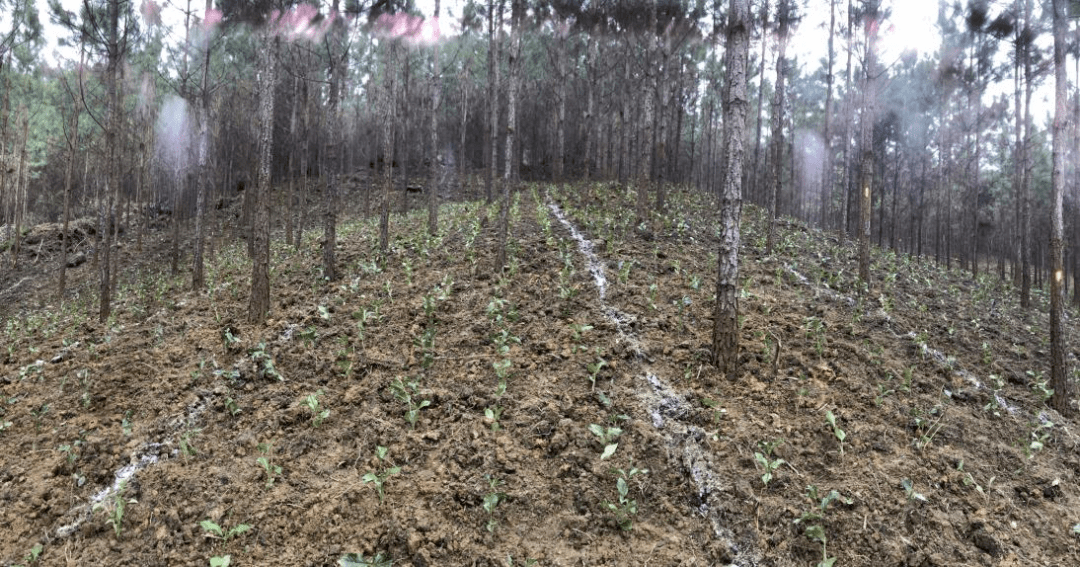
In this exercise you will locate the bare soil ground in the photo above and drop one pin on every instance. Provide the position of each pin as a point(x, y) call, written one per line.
point(428, 411)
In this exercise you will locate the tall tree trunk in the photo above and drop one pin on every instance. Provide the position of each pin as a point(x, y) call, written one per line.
point(826, 135)
point(776, 144)
point(866, 125)
point(560, 102)
point(495, 9)
point(663, 91)
point(198, 281)
point(335, 153)
point(844, 228)
point(73, 148)
point(259, 301)
point(725, 339)
point(517, 9)
point(645, 145)
point(754, 175)
point(389, 95)
point(112, 142)
point(590, 88)
point(1025, 178)
point(1059, 376)
point(433, 171)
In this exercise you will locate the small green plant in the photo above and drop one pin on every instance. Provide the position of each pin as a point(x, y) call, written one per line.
point(272, 471)
point(578, 331)
point(814, 518)
point(594, 369)
point(221, 561)
point(624, 270)
point(216, 531)
point(39, 414)
point(492, 415)
point(653, 290)
point(910, 492)
point(318, 413)
point(114, 508)
point(232, 341)
point(608, 438)
point(404, 392)
point(883, 391)
point(264, 363)
point(380, 478)
point(764, 458)
point(1040, 385)
point(361, 560)
point(187, 448)
point(231, 407)
point(1040, 435)
point(837, 432)
point(32, 555)
point(310, 336)
point(626, 508)
point(926, 427)
point(491, 501)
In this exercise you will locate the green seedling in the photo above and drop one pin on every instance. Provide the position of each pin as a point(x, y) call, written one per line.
point(909, 490)
point(837, 432)
point(594, 369)
point(216, 531)
point(31, 556)
point(310, 336)
point(502, 370)
point(404, 392)
point(230, 405)
point(187, 449)
point(764, 458)
point(380, 478)
point(503, 339)
point(39, 415)
point(491, 500)
point(883, 391)
point(653, 290)
point(361, 560)
point(318, 414)
point(232, 341)
point(624, 270)
point(926, 428)
point(1040, 435)
point(492, 415)
point(221, 561)
point(578, 331)
point(626, 508)
point(272, 471)
point(608, 437)
point(114, 508)
point(324, 313)
point(816, 531)
point(264, 363)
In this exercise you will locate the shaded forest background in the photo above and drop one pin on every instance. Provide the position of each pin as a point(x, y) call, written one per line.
point(146, 123)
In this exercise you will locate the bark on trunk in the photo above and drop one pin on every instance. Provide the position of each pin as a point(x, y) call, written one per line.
point(725, 339)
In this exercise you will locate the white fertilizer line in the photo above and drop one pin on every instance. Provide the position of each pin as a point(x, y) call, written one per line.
point(667, 408)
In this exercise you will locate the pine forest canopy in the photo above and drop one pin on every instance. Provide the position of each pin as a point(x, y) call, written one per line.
point(924, 127)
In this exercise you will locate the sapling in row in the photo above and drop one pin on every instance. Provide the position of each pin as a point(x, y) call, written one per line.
point(491, 501)
point(379, 478)
point(318, 413)
point(764, 458)
point(272, 471)
point(404, 392)
point(815, 516)
point(625, 508)
point(608, 437)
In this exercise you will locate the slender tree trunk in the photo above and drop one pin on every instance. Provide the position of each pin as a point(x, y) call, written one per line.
point(198, 281)
point(844, 228)
point(112, 135)
point(463, 160)
point(433, 171)
point(826, 135)
point(389, 95)
point(73, 147)
point(645, 145)
point(495, 9)
point(517, 13)
point(590, 88)
point(725, 339)
point(335, 152)
point(1025, 178)
point(259, 301)
point(1059, 375)
point(776, 161)
point(560, 104)
point(754, 175)
point(866, 124)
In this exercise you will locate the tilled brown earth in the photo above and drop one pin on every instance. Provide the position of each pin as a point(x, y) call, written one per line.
point(429, 411)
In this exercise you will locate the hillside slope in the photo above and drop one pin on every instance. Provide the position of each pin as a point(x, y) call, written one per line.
point(508, 409)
